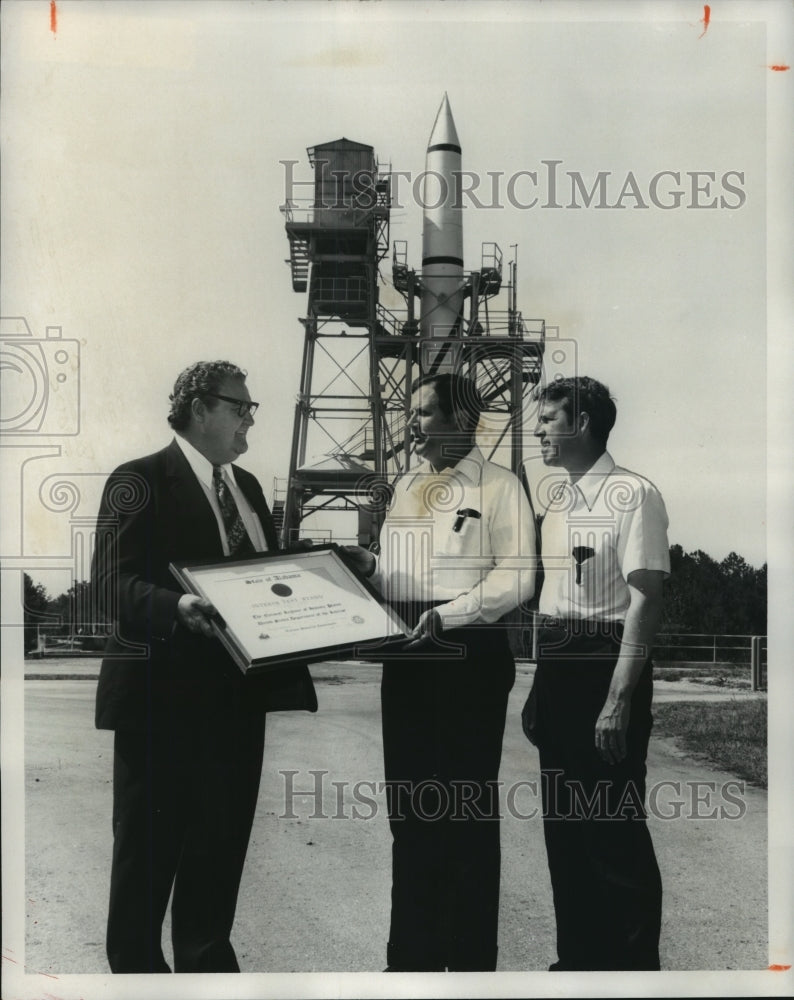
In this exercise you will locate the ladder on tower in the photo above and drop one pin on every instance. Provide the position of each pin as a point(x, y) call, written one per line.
point(299, 261)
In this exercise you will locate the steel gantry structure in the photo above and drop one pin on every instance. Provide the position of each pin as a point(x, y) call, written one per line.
point(360, 358)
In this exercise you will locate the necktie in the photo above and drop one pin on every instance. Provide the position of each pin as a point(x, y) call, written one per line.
point(238, 538)
point(539, 572)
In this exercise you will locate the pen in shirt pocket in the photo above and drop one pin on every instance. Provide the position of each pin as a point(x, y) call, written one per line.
point(462, 515)
point(580, 553)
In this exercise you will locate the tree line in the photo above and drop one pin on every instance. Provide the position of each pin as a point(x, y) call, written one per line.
point(714, 598)
point(71, 614)
point(702, 596)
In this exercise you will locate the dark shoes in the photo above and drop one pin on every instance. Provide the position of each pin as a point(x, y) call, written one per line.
point(394, 968)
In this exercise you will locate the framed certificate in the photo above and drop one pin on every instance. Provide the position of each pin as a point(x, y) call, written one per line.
point(293, 606)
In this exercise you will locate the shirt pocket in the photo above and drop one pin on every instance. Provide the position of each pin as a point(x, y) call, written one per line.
point(583, 567)
point(592, 570)
point(467, 540)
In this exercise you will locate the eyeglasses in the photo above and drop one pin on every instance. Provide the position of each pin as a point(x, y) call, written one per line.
point(244, 406)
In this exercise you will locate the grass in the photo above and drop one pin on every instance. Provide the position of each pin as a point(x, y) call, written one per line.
point(730, 735)
point(732, 675)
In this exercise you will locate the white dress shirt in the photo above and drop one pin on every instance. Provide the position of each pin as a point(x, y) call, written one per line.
point(612, 522)
point(479, 572)
point(202, 467)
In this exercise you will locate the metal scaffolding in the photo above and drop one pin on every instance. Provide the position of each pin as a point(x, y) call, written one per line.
point(350, 438)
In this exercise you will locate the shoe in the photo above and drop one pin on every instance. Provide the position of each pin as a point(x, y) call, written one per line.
point(394, 968)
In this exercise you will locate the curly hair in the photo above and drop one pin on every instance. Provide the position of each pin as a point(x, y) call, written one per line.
point(199, 380)
point(455, 392)
point(583, 394)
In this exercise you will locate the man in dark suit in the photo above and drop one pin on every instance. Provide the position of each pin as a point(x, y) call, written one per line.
point(189, 726)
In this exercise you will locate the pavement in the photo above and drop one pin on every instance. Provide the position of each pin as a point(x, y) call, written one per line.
point(315, 893)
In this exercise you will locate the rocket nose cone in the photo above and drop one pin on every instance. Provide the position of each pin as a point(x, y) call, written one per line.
point(444, 131)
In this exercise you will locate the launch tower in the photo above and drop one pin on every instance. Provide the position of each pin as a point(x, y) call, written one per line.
point(360, 358)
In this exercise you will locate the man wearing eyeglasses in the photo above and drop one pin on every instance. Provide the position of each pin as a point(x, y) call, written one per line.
point(189, 726)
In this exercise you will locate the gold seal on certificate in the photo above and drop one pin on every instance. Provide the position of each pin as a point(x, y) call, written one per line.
point(280, 606)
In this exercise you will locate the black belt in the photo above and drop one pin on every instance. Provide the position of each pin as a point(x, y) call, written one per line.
point(570, 623)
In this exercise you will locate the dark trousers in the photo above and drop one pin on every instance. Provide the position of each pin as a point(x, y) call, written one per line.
point(443, 722)
point(605, 879)
point(183, 807)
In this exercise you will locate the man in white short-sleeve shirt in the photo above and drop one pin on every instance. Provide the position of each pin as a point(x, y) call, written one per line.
point(461, 539)
point(605, 556)
point(596, 532)
point(457, 552)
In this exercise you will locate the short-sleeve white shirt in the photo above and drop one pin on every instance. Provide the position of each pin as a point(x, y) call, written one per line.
point(480, 571)
point(595, 533)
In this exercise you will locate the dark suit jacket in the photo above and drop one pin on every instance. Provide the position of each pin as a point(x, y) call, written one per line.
point(154, 512)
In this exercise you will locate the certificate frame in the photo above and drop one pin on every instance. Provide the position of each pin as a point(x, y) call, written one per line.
point(283, 616)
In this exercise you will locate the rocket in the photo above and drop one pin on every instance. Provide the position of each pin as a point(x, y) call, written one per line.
point(442, 282)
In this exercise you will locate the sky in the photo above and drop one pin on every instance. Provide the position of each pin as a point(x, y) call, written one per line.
point(142, 176)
